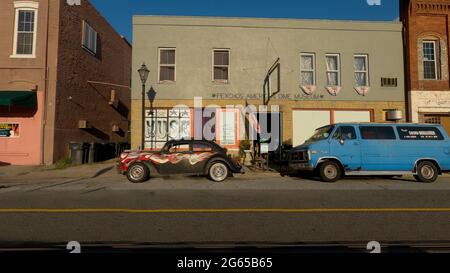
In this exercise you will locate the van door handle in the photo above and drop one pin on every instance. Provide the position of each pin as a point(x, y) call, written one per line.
point(355, 143)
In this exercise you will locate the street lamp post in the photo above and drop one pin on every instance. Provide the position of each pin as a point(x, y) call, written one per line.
point(143, 74)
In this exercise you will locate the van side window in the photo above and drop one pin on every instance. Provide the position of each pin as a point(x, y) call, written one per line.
point(377, 132)
point(419, 133)
point(345, 132)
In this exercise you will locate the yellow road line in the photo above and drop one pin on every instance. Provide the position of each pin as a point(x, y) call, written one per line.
point(187, 211)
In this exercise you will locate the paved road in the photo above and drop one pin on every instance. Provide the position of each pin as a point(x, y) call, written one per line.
point(259, 208)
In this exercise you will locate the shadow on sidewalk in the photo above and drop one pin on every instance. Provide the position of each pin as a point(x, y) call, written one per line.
point(2, 164)
point(102, 171)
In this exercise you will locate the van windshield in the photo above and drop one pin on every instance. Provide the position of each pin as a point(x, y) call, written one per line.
point(321, 134)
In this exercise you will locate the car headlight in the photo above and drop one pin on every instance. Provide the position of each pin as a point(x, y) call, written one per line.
point(123, 155)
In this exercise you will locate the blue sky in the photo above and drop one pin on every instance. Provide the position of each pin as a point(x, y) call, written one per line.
point(119, 12)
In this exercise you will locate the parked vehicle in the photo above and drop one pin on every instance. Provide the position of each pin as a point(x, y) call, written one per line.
point(374, 149)
point(190, 157)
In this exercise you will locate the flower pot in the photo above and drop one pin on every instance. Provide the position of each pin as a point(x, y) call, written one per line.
point(248, 158)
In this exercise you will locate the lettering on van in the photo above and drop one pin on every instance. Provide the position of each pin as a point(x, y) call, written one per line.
point(419, 133)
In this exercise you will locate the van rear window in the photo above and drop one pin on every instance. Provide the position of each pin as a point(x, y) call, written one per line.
point(377, 132)
point(419, 133)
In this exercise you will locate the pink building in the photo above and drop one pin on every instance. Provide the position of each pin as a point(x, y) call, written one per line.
point(64, 77)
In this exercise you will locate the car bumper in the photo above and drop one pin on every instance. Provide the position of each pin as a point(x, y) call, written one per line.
point(303, 166)
point(119, 168)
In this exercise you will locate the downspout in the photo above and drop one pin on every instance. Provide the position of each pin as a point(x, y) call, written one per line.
point(405, 12)
point(45, 99)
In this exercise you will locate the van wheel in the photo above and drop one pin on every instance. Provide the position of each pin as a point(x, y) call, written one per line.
point(427, 172)
point(330, 171)
point(138, 173)
point(218, 172)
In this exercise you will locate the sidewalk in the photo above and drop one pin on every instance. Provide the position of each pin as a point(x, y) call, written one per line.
point(35, 174)
point(42, 174)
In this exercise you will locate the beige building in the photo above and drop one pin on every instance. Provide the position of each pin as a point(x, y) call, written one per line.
point(330, 71)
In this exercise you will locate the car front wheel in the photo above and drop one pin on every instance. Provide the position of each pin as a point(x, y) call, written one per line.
point(329, 171)
point(138, 173)
point(218, 172)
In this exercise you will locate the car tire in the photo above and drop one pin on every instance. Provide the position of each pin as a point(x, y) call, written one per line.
point(138, 172)
point(330, 171)
point(427, 172)
point(218, 172)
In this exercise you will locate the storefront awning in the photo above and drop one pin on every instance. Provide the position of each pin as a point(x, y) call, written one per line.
point(18, 98)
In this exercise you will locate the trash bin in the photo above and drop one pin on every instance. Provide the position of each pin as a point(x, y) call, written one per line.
point(97, 152)
point(92, 151)
point(86, 150)
point(76, 153)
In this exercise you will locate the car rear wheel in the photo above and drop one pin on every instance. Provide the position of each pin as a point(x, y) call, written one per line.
point(330, 171)
point(138, 173)
point(427, 172)
point(218, 172)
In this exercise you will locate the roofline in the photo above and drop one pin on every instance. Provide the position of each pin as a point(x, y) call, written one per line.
point(394, 21)
point(109, 24)
point(253, 22)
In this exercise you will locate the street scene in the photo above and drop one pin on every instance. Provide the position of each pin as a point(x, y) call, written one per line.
point(172, 124)
point(254, 208)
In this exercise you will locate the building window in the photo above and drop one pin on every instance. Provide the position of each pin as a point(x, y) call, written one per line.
point(162, 125)
point(89, 38)
point(333, 70)
point(167, 66)
point(228, 124)
point(431, 118)
point(308, 69)
point(430, 71)
point(221, 65)
point(361, 70)
point(25, 29)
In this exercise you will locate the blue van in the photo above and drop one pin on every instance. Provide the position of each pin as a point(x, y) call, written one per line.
point(374, 149)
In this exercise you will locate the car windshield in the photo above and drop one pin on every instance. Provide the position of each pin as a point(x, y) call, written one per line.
point(321, 134)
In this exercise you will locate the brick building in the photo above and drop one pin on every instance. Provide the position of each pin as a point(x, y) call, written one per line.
point(330, 72)
point(64, 77)
point(426, 36)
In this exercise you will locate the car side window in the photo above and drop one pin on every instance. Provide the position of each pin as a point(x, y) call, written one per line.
point(178, 148)
point(377, 132)
point(345, 132)
point(201, 147)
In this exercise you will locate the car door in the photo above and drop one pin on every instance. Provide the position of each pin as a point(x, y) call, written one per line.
point(201, 153)
point(175, 159)
point(346, 146)
point(378, 148)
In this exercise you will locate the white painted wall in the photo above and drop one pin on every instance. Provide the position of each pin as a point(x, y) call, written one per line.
point(306, 122)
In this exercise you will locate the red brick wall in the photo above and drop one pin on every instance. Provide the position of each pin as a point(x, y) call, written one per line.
point(76, 66)
point(424, 18)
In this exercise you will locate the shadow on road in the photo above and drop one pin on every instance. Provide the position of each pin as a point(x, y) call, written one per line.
point(312, 178)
